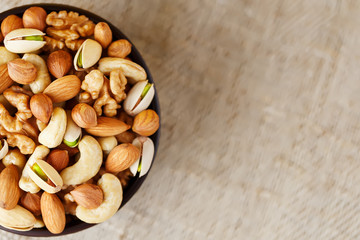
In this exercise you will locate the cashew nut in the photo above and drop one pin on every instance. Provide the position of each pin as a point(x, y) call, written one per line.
point(43, 78)
point(25, 182)
point(18, 219)
point(54, 132)
point(6, 56)
point(112, 190)
point(14, 156)
point(87, 166)
point(107, 143)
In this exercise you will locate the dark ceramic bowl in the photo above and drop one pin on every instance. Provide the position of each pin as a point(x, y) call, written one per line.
point(135, 183)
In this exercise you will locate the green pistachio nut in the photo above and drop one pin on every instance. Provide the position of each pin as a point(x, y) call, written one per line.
point(34, 38)
point(146, 89)
point(72, 144)
point(36, 168)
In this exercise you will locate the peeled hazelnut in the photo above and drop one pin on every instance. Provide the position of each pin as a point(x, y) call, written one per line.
point(58, 158)
point(103, 34)
point(120, 48)
point(22, 71)
point(146, 123)
point(59, 63)
point(84, 115)
point(122, 157)
point(35, 17)
point(31, 202)
point(41, 107)
point(10, 23)
point(88, 195)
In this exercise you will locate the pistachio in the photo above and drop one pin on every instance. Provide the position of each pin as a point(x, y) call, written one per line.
point(24, 40)
point(146, 147)
point(45, 176)
point(18, 219)
point(139, 97)
point(72, 133)
point(87, 55)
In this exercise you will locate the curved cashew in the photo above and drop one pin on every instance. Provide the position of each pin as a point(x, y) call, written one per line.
point(25, 182)
point(43, 77)
point(54, 132)
point(14, 156)
point(18, 219)
point(112, 200)
point(87, 166)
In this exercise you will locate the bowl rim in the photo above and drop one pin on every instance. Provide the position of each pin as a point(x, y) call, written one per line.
point(136, 57)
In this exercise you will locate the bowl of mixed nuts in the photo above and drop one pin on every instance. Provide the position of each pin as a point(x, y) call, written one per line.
point(79, 120)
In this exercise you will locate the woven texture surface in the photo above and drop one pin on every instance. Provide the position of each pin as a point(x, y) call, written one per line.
point(260, 109)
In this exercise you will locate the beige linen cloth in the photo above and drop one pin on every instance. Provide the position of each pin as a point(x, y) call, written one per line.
point(260, 105)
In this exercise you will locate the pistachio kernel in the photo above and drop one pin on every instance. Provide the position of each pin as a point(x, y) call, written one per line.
point(34, 38)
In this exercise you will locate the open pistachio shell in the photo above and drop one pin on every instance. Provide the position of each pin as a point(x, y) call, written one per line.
point(14, 42)
point(18, 219)
point(4, 149)
point(146, 147)
point(72, 133)
point(51, 173)
point(90, 52)
point(133, 96)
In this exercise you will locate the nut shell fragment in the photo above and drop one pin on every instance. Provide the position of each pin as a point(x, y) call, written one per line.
point(52, 175)
point(18, 219)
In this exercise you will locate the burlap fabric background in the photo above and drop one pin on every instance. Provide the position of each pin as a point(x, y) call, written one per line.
point(260, 108)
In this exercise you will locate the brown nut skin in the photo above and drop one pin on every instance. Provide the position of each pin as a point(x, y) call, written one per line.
point(35, 17)
point(41, 107)
point(103, 34)
point(11, 23)
point(5, 80)
point(58, 158)
point(31, 201)
point(59, 63)
point(84, 115)
point(63, 89)
point(53, 213)
point(121, 157)
point(107, 126)
point(88, 195)
point(146, 123)
point(9, 187)
point(120, 48)
point(22, 71)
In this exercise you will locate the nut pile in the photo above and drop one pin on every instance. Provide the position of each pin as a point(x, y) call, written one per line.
point(74, 123)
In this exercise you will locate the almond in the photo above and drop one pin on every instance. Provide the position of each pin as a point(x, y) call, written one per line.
point(58, 158)
point(59, 63)
point(41, 107)
point(122, 157)
point(84, 115)
point(10, 23)
point(120, 48)
point(35, 17)
point(88, 195)
point(103, 34)
point(31, 201)
point(9, 187)
point(22, 71)
point(53, 213)
point(107, 127)
point(5, 80)
point(146, 123)
point(63, 88)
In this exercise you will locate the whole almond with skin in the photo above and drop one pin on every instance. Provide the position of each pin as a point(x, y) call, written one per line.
point(59, 63)
point(9, 187)
point(103, 34)
point(88, 195)
point(41, 107)
point(146, 123)
point(5, 80)
point(22, 71)
point(121, 157)
point(108, 127)
point(53, 213)
point(120, 48)
point(31, 201)
point(84, 115)
point(63, 88)
point(10, 23)
point(35, 17)
point(58, 158)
